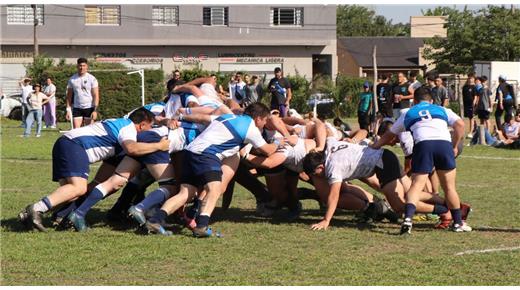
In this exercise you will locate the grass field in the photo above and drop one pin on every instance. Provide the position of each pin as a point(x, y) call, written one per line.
point(260, 251)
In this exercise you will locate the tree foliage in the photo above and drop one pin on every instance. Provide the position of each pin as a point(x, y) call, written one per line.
point(489, 34)
point(354, 20)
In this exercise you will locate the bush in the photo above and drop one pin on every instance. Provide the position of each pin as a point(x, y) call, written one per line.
point(346, 95)
point(300, 88)
point(119, 93)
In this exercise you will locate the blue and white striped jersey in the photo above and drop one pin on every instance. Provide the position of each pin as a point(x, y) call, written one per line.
point(182, 136)
point(225, 135)
point(102, 140)
point(156, 108)
point(177, 101)
point(426, 122)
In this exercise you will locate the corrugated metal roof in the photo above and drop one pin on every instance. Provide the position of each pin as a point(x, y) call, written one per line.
point(391, 51)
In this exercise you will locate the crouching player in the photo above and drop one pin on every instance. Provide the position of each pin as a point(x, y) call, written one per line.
point(433, 149)
point(73, 152)
point(203, 161)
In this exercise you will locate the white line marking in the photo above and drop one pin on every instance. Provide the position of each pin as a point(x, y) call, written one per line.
point(487, 251)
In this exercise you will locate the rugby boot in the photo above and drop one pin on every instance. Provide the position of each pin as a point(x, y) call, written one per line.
point(78, 222)
point(406, 227)
point(137, 215)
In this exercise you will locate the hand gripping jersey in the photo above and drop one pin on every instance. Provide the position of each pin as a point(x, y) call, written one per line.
point(225, 135)
point(102, 140)
point(294, 155)
point(426, 122)
point(180, 137)
point(347, 161)
point(177, 101)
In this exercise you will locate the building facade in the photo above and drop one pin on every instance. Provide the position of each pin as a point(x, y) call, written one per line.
point(250, 38)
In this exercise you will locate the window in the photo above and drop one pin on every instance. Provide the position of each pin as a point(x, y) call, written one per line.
point(23, 14)
point(215, 16)
point(287, 16)
point(102, 15)
point(165, 15)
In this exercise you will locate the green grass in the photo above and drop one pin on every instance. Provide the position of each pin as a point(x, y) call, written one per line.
point(259, 251)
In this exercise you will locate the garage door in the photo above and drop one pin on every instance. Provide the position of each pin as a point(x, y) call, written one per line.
point(10, 74)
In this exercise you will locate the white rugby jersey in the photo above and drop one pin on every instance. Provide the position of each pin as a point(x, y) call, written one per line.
point(210, 98)
point(180, 137)
point(225, 135)
point(294, 155)
point(102, 140)
point(406, 143)
point(177, 101)
point(347, 161)
point(426, 122)
point(82, 88)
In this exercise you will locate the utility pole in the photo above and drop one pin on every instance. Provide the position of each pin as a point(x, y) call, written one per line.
point(374, 89)
point(35, 41)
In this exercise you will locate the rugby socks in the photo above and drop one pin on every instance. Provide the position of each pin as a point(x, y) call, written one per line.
point(456, 215)
point(128, 194)
point(94, 196)
point(158, 217)
point(43, 205)
point(194, 209)
point(409, 210)
point(439, 209)
point(156, 197)
point(202, 220)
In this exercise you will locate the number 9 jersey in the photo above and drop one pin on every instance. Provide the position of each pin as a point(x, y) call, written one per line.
point(426, 122)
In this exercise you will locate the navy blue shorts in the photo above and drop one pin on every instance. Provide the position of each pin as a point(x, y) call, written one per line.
point(69, 159)
point(432, 153)
point(200, 169)
point(157, 157)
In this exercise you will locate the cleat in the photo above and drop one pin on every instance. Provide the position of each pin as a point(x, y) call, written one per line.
point(294, 214)
point(465, 209)
point(33, 218)
point(156, 229)
point(23, 217)
point(204, 232)
point(406, 227)
point(78, 222)
point(137, 215)
point(461, 228)
point(444, 221)
point(370, 214)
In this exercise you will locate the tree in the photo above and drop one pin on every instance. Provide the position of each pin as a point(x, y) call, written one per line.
point(489, 34)
point(354, 20)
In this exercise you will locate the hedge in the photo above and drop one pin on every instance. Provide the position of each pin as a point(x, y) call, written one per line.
point(119, 93)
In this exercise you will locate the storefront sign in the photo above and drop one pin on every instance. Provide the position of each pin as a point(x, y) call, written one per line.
point(190, 59)
point(146, 60)
point(109, 54)
point(252, 60)
point(17, 54)
point(245, 54)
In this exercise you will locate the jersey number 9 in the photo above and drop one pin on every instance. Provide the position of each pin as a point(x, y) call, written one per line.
point(425, 115)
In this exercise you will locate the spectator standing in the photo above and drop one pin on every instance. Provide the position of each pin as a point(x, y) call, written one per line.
point(175, 80)
point(82, 96)
point(468, 99)
point(254, 91)
point(49, 109)
point(237, 89)
point(440, 93)
point(281, 93)
point(35, 101)
point(384, 95)
point(484, 103)
point(27, 89)
point(365, 106)
point(401, 95)
point(505, 98)
point(414, 83)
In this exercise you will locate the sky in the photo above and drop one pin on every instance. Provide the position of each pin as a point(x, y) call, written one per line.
point(402, 13)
